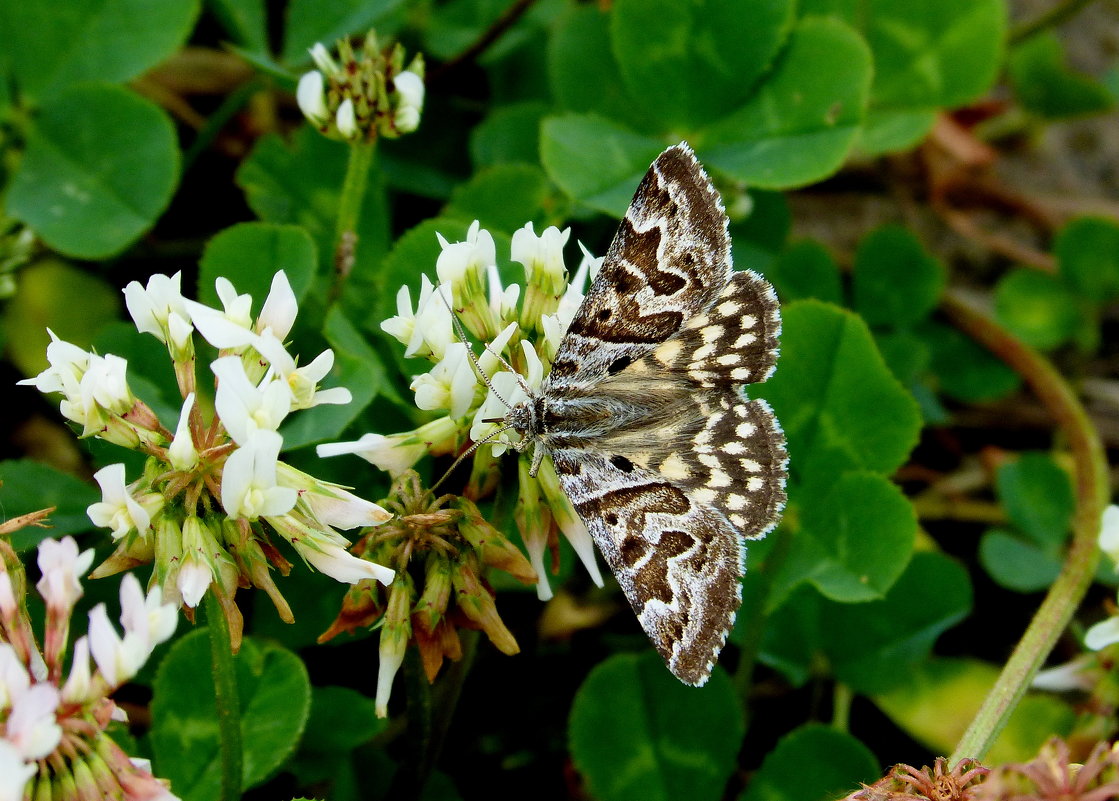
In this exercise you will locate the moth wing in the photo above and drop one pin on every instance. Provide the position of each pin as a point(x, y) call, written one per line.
point(668, 261)
point(678, 562)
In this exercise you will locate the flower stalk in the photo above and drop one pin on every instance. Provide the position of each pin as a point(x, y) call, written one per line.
point(1092, 495)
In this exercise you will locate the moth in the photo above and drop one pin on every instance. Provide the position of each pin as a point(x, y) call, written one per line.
point(667, 462)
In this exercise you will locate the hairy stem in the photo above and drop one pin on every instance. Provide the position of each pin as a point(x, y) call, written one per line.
point(1076, 575)
point(224, 668)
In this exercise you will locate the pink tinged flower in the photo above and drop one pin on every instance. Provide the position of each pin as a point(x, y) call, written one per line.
point(280, 307)
point(61, 564)
point(117, 509)
point(146, 616)
point(232, 326)
point(8, 605)
point(15, 772)
point(31, 726)
point(248, 484)
point(160, 309)
point(181, 452)
point(245, 408)
point(14, 678)
point(79, 683)
point(310, 94)
point(1102, 634)
point(449, 385)
point(195, 575)
point(302, 381)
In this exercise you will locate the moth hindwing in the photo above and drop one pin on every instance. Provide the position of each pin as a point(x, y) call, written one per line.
point(669, 465)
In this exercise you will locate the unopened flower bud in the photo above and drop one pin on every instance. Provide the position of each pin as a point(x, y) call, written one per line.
point(476, 602)
point(395, 634)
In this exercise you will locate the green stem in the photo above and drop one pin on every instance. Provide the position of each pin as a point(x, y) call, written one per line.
point(349, 211)
point(842, 696)
point(1092, 492)
point(1050, 19)
point(419, 721)
point(224, 668)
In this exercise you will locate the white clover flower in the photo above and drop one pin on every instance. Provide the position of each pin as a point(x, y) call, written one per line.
point(230, 328)
point(146, 616)
point(346, 120)
point(160, 310)
point(1102, 634)
point(489, 361)
point(541, 255)
point(449, 385)
point(508, 387)
point(248, 482)
point(79, 683)
point(310, 94)
point(8, 605)
point(31, 726)
point(1109, 534)
point(503, 301)
point(14, 678)
point(459, 259)
point(15, 772)
point(117, 509)
point(302, 381)
point(245, 408)
point(194, 576)
point(323, 60)
point(410, 87)
point(118, 659)
point(181, 453)
point(395, 453)
point(68, 364)
point(325, 550)
point(429, 330)
point(60, 565)
point(280, 308)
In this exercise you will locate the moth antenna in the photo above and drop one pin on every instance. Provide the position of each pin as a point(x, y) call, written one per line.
point(490, 436)
point(478, 371)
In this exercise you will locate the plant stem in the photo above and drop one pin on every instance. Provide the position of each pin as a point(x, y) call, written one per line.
point(1091, 474)
point(224, 669)
point(1050, 19)
point(349, 211)
point(842, 696)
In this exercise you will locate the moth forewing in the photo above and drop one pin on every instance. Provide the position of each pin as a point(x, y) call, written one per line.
point(662, 456)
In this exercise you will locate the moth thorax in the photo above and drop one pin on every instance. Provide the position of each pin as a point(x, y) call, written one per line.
point(527, 417)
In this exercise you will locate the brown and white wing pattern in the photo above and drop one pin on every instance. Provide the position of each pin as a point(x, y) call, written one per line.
point(664, 458)
point(668, 261)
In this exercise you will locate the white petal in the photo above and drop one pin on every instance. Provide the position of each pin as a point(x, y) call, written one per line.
point(280, 307)
point(1102, 634)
